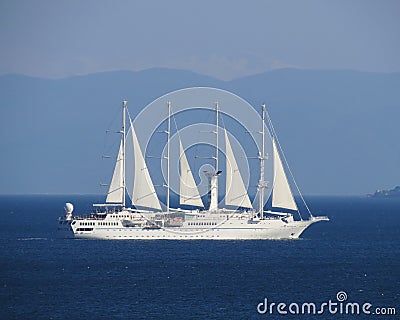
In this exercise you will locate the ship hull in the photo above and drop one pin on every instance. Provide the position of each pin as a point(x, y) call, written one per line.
point(263, 230)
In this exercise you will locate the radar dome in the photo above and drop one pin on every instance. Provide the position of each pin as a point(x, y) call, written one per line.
point(69, 207)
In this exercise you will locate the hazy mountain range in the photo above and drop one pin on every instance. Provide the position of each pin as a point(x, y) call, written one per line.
point(339, 128)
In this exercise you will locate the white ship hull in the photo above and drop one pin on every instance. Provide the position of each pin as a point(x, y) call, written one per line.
point(292, 232)
point(230, 229)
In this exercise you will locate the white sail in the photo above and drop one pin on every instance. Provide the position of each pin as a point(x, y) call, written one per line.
point(116, 191)
point(144, 194)
point(236, 193)
point(189, 194)
point(282, 196)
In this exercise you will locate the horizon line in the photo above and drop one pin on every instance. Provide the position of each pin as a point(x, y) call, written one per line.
point(77, 75)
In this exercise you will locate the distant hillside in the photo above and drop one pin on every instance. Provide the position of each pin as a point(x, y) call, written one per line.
point(339, 129)
point(393, 193)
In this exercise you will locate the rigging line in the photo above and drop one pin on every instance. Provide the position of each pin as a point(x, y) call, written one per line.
point(129, 116)
point(274, 136)
point(177, 130)
point(130, 128)
point(271, 134)
point(179, 136)
point(223, 122)
point(176, 126)
point(223, 127)
point(195, 160)
point(106, 144)
point(265, 186)
point(287, 165)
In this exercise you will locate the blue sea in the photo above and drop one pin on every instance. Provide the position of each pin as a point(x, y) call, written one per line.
point(43, 277)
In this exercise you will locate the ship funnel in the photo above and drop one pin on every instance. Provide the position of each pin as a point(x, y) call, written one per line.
point(212, 189)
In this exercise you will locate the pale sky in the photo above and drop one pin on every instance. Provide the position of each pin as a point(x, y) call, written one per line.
point(224, 39)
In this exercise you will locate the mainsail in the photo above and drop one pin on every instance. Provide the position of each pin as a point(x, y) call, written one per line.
point(282, 196)
point(236, 194)
point(189, 194)
point(144, 194)
point(116, 191)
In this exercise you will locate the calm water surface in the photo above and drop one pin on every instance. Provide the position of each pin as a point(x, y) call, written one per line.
point(42, 277)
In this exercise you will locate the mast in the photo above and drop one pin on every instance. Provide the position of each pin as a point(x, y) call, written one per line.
point(123, 150)
point(168, 153)
point(216, 132)
point(213, 176)
point(261, 184)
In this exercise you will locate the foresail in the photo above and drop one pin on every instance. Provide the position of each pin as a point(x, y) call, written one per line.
point(189, 194)
point(144, 194)
point(282, 196)
point(236, 193)
point(116, 190)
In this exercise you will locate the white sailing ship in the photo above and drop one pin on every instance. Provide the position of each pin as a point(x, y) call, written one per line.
point(148, 219)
